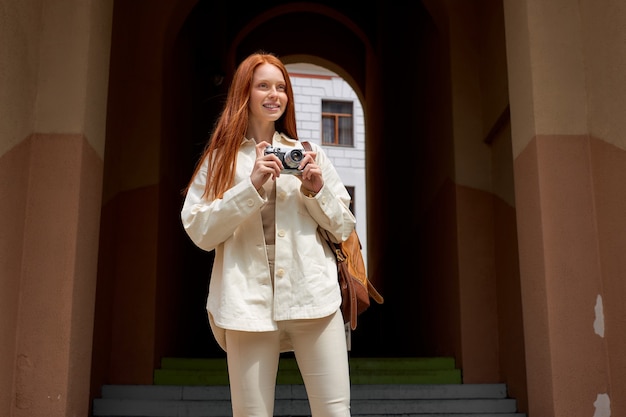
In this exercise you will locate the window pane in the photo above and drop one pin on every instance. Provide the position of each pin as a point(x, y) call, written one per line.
point(328, 129)
point(345, 131)
point(344, 107)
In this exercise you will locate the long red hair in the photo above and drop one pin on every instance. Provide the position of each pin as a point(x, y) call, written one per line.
point(229, 132)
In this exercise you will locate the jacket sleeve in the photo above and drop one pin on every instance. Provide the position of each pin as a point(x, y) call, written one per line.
point(211, 222)
point(330, 207)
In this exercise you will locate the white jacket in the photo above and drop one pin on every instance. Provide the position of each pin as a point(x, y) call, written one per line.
point(241, 295)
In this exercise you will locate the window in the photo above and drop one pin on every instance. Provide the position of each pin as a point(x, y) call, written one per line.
point(337, 123)
point(351, 192)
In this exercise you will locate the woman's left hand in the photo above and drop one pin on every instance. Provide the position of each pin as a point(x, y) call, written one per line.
point(311, 176)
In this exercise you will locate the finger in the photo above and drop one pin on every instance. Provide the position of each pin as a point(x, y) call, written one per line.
point(309, 158)
point(311, 171)
point(271, 166)
point(260, 148)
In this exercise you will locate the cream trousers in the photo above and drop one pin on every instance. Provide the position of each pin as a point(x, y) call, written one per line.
point(322, 357)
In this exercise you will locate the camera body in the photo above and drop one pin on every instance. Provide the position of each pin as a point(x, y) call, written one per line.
point(289, 157)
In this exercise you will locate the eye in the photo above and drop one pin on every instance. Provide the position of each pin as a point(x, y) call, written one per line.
point(281, 88)
point(262, 85)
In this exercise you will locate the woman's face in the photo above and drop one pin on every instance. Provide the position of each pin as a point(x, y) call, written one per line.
point(268, 95)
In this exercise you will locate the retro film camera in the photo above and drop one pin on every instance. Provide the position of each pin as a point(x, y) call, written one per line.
point(290, 158)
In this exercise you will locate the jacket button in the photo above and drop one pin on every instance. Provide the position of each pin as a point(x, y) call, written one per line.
point(250, 202)
point(280, 272)
point(282, 195)
point(281, 233)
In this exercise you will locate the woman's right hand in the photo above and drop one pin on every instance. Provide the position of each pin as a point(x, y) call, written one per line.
point(265, 166)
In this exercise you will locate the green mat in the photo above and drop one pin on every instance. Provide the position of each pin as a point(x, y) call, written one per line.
point(195, 371)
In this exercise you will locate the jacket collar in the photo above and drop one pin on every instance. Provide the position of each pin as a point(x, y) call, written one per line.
point(282, 139)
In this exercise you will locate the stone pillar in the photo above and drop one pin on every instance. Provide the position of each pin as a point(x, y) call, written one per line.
point(55, 64)
point(560, 250)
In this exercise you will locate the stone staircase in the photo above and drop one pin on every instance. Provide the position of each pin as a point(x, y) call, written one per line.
point(407, 387)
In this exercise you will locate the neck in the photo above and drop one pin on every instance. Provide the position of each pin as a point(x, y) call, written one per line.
point(261, 131)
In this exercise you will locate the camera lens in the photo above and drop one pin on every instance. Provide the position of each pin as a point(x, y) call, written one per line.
point(293, 158)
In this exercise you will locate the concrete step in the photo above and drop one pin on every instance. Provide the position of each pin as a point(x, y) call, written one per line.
point(373, 400)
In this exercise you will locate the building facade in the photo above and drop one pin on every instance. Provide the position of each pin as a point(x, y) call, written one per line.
point(312, 85)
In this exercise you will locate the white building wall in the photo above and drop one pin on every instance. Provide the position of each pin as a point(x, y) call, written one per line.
point(311, 85)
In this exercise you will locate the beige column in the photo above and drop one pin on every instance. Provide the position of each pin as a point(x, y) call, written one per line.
point(560, 257)
point(58, 75)
point(57, 286)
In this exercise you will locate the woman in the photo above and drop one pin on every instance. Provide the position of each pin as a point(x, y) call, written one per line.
point(274, 283)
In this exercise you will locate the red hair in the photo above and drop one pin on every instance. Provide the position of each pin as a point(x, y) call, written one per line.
point(232, 124)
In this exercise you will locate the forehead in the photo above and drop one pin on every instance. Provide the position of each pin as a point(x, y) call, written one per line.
point(268, 72)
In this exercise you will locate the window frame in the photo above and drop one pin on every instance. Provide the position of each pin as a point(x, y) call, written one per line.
point(336, 117)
